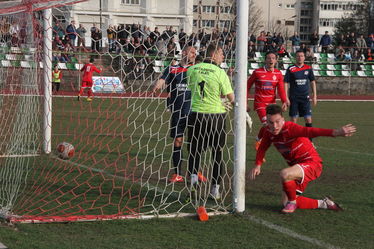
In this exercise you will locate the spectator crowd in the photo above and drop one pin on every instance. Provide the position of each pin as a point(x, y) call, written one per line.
point(140, 41)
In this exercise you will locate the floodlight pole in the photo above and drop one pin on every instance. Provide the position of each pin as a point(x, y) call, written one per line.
point(47, 69)
point(240, 105)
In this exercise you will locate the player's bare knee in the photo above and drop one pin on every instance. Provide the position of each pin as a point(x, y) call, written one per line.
point(285, 175)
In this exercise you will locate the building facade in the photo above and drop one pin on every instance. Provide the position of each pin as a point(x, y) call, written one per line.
point(303, 16)
point(151, 13)
point(213, 14)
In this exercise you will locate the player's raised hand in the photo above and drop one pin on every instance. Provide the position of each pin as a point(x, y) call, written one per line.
point(255, 172)
point(345, 131)
point(285, 105)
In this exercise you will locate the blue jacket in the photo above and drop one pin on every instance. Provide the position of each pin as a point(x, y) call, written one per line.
point(325, 41)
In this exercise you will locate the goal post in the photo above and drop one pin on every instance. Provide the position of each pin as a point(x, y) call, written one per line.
point(125, 151)
point(240, 106)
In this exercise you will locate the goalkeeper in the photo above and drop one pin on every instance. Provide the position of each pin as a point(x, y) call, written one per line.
point(206, 123)
point(174, 79)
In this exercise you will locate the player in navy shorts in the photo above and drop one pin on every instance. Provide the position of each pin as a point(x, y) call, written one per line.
point(174, 79)
point(298, 78)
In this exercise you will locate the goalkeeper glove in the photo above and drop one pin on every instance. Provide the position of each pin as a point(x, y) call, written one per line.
point(249, 121)
point(227, 104)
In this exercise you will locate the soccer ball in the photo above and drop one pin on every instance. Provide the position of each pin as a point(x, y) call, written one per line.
point(65, 150)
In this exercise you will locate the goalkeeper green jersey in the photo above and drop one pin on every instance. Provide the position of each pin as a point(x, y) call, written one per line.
point(207, 83)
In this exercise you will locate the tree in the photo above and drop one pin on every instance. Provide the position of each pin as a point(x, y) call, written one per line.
point(357, 21)
point(255, 19)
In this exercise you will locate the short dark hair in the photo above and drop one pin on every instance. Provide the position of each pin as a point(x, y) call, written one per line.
point(212, 48)
point(300, 51)
point(271, 52)
point(274, 109)
point(92, 60)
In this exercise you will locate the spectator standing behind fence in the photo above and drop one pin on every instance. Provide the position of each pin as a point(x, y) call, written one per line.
point(295, 40)
point(261, 39)
point(351, 42)
point(370, 42)
point(56, 79)
point(361, 44)
point(325, 42)
point(58, 30)
point(81, 33)
point(71, 31)
point(111, 34)
point(95, 38)
point(314, 38)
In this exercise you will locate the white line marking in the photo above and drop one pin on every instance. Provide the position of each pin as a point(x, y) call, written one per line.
point(346, 151)
point(290, 233)
point(152, 97)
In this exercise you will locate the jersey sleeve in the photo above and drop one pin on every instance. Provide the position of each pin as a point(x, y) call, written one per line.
point(165, 74)
point(281, 91)
point(226, 84)
point(264, 146)
point(287, 76)
point(311, 75)
point(83, 68)
point(251, 80)
point(296, 130)
point(95, 69)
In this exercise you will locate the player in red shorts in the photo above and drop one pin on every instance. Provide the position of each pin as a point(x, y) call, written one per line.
point(292, 141)
point(267, 80)
point(88, 70)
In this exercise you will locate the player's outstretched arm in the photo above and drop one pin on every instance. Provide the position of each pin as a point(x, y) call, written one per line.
point(255, 171)
point(345, 131)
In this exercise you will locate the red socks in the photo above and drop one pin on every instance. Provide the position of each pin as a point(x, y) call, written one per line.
point(290, 189)
point(306, 203)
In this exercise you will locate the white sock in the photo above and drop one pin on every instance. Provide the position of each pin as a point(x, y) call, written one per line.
point(194, 179)
point(322, 204)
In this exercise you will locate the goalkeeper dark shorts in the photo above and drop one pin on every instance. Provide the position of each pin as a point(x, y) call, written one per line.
point(205, 129)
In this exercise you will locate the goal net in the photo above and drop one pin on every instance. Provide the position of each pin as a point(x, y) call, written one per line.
point(124, 156)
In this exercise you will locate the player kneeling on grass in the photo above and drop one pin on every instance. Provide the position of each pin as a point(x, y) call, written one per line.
point(292, 141)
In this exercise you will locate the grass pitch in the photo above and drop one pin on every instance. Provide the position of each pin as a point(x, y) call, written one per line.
point(347, 176)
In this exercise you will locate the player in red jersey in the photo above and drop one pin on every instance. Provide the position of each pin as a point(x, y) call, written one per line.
point(267, 81)
point(292, 141)
point(88, 70)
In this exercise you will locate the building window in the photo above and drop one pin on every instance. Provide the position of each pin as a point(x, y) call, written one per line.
point(131, 2)
point(305, 21)
point(290, 6)
point(195, 8)
point(305, 29)
point(226, 9)
point(306, 5)
point(289, 23)
point(207, 23)
point(194, 23)
point(305, 12)
point(304, 37)
point(209, 9)
point(225, 24)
